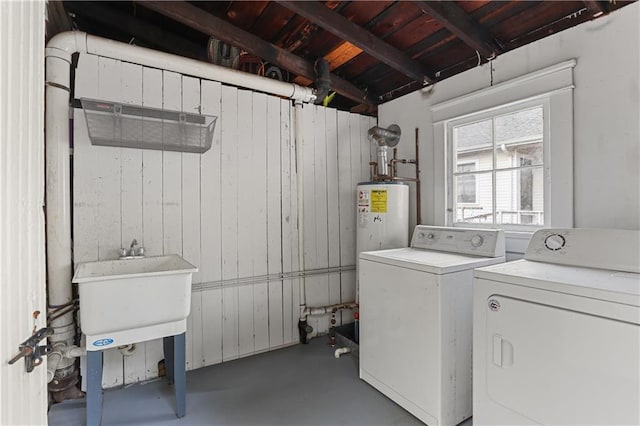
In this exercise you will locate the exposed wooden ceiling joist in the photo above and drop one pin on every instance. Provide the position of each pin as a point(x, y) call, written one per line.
point(462, 25)
point(140, 29)
point(442, 37)
point(596, 7)
point(204, 22)
point(342, 27)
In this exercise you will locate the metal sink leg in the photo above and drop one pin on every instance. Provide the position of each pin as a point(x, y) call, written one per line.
point(94, 388)
point(174, 357)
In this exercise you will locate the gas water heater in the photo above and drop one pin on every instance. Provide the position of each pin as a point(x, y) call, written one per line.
point(383, 203)
point(382, 216)
point(382, 207)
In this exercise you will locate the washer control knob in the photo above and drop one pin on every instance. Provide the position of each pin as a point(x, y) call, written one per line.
point(554, 242)
point(477, 240)
point(421, 235)
point(430, 236)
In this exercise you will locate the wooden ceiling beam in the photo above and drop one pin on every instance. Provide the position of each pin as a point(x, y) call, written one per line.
point(345, 29)
point(206, 23)
point(595, 7)
point(456, 20)
point(139, 29)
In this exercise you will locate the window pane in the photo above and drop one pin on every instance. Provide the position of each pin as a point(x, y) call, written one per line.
point(529, 154)
point(474, 142)
point(474, 198)
point(526, 124)
point(519, 138)
point(520, 197)
point(467, 189)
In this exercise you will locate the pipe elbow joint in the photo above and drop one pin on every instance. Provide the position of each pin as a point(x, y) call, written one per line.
point(303, 94)
point(65, 44)
point(341, 351)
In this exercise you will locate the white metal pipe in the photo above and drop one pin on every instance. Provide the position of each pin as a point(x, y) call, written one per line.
point(58, 196)
point(127, 350)
point(59, 353)
point(75, 352)
point(58, 191)
point(341, 351)
point(53, 360)
point(323, 310)
point(79, 42)
point(166, 61)
point(300, 196)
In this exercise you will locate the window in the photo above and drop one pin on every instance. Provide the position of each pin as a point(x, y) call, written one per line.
point(504, 154)
point(498, 166)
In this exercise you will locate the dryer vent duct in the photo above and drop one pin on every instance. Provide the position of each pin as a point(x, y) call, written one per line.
point(384, 139)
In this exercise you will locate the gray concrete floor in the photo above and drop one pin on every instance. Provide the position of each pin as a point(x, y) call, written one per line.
point(300, 385)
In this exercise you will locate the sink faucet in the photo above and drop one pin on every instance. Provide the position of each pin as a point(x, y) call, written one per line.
point(132, 252)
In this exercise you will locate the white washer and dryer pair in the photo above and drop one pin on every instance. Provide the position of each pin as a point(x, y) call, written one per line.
point(416, 319)
point(557, 334)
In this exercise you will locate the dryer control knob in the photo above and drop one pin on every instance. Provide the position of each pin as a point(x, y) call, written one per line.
point(554, 242)
point(477, 240)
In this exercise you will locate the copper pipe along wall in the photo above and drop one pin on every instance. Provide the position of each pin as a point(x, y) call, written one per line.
point(374, 170)
point(418, 212)
point(394, 165)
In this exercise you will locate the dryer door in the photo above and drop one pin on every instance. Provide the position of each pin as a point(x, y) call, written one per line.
point(559, 366)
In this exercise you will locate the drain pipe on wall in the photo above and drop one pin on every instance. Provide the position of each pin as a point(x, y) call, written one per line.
point(303, 327)
point(63, 375)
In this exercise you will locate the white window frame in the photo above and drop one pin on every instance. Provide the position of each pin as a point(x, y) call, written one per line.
point(543, 102)
point(553, 86)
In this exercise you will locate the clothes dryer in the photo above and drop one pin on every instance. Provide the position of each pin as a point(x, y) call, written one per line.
point(557, 334)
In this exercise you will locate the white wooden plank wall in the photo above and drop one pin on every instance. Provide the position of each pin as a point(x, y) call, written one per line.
point(152, 201)
point(231, 211)
point(23, 396)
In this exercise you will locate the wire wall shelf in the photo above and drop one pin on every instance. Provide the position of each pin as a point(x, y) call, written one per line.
point(134, 126)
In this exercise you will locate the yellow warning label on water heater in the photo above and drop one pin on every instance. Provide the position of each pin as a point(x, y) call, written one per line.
point(378, 201)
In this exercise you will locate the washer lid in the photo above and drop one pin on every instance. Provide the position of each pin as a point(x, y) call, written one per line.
point(602, 284)
point(434, 262)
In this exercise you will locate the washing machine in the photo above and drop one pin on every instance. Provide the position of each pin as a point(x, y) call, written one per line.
point(557, 335)
point(415, 319)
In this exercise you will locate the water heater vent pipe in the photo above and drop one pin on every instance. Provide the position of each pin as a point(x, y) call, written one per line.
point(384, 139)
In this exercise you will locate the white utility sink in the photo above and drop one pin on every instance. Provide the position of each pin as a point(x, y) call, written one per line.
point(133, 300)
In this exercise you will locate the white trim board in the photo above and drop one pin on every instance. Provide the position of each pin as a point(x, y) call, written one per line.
point(541, 82)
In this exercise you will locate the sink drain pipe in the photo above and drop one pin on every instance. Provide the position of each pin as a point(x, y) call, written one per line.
point(306, 330)
point(341, 351)
point(58, 54)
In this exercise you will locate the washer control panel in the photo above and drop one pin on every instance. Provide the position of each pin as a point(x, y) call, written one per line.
point(613, 249)
point(480, 242)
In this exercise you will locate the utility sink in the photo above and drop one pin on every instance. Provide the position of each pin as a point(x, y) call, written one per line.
point(133, 300)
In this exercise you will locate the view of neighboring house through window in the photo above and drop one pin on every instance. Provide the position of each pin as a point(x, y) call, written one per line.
point(498, 167)
point(467, 184)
